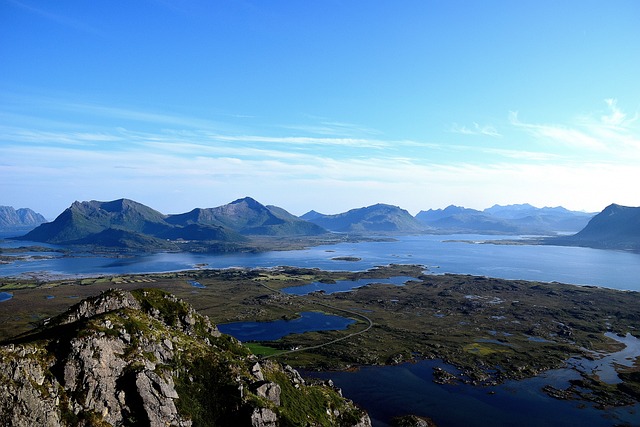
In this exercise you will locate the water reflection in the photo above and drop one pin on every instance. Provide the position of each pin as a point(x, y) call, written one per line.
point(309, 321)
point(344, 285)
point(603, 366)
point(390, 391)
point(615, 269)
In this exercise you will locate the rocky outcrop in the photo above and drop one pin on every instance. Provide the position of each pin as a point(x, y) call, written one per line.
point(147, 358)
point(412, 421)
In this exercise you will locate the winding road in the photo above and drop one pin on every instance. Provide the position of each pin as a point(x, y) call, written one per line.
point(354, 313)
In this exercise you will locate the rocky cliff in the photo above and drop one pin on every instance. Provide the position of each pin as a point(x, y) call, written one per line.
point(147, 358)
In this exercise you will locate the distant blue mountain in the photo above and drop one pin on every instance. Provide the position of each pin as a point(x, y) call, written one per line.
point(436, 214)
point(510, 219)
point(312, 215)
point(19, 218)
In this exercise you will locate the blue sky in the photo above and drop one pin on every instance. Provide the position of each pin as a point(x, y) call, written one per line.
point(325, 105)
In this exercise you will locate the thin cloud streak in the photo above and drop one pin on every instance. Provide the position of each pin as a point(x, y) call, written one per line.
point(558, 134)
point(612, 134)
point(50, 137)
point(477, 129)
point(333, 128)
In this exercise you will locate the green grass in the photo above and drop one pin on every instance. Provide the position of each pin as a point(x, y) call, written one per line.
point(262, 350)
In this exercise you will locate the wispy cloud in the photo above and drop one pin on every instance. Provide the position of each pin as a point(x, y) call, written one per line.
point(325, 127)
point(305, 140)
point(559, 134)
point(614, 133)
point(523, 154)
point(477, 129)
point(208, 178)
point(616, 116)
point(16, 134)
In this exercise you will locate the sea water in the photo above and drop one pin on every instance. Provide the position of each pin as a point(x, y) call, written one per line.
point(574, 265)
point(391, 391)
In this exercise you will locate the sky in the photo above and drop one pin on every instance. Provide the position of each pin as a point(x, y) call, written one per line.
point(320, 104)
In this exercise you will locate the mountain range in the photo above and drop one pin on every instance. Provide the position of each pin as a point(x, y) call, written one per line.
point(125, 223)
point(19, 218)
point(235, 226)
point(511, 219)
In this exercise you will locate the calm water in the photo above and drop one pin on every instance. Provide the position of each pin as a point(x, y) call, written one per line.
point(409, 389)
point(308, 321)
point(344, 285)
point(613, 269)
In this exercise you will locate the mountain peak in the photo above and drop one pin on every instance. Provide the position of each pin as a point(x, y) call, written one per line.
point(375, 218)
point(119, 205)
point(84, 219)
point(23, 217)
point(614, 208)
point(616, 227)
point(249, 201)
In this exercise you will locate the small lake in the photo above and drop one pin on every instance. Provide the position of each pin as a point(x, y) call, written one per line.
point(5, 296)
point(344, 285)
point(309, 321)
point(197, 284)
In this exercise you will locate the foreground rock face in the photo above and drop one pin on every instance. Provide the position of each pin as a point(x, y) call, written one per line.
point(147, 358)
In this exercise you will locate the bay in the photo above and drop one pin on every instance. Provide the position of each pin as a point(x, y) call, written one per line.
point(574, 265)
point(408, 389)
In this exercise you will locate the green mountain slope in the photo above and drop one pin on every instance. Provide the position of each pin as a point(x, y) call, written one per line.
point(375, 218)
point(127, 224)
point(84, 219)
point(616, 227)
point(249, 217)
